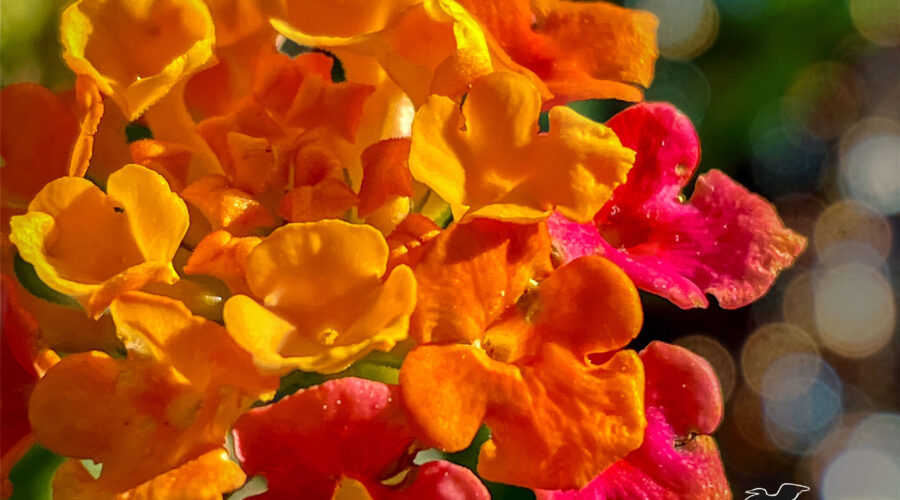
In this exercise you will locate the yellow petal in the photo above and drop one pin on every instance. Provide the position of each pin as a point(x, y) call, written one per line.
point(94, 246)
point(137, 51)
point(322, 297)
point(488, 160)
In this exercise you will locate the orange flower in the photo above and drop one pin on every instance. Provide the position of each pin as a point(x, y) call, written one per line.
point(472, 273)
point(488, 160)
point(326, 299)
point(170, 402)
point(137, 52)
point(95, 246)
point(557, 418)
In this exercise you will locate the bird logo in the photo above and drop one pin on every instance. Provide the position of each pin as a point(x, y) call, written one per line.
point(787, 491)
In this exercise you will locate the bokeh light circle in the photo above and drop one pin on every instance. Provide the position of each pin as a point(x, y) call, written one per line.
point(686, 28)
point(877, 20)
point(861, 473)
point(870, 163)
point(852, 220)
point(769, 343)
point(854, 310)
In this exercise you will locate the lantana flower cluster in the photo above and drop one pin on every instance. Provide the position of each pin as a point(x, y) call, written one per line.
point(335, 234)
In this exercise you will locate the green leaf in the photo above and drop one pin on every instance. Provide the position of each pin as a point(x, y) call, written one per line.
point(135, 131)
point(27, 276)
point(32, 475)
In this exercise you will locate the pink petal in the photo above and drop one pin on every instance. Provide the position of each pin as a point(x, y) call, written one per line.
point(725, 241)
point(348, 427)
point(676, 460)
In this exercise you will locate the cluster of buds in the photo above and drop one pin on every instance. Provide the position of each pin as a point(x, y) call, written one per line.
point(336, 234)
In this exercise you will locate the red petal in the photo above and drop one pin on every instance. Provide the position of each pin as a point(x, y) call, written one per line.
point(726, 241)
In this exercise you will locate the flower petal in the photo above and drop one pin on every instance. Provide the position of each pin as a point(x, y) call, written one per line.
point(204, 478)
point(555, 421)
point(352, 429)
point(326, 297)
point(683, 398)
point(136, 52)
point(725, 241)
point(95, 246)
point(385, 174)
point(497, 166)
point(471, 274)
point(38, 135)
point(224, 256)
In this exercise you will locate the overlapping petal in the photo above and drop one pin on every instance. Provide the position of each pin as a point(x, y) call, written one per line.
point(95, 246)
point(677, 459)
point(430, 47)
point(137, 52)
point(183, 384)
point(472, 273)
point(324, 298)
point(557, 419)
point(488, 160)
point(204, 478)
point(581, 50)
point(352, 431)
point(725, 241)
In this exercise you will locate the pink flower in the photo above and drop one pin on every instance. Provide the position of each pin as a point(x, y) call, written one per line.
point(677, 459)
point(346, 433)
point(725, 241)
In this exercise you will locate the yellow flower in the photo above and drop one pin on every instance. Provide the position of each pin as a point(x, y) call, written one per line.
point(325, 298)
point(95, 246)
point(137, 51)
point(488, 160)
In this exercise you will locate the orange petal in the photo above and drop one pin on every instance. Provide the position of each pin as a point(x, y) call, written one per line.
point(224, 256)
point(581, 50)
point(472, 273)
point(199, 349)
point(408, 241)
point(90, 110)
point(207, 477)
point(328, 199)
point(136, 52)
point(301, 93)
point(588, 305)
point(385, 174)
point(255, 170)
point(38, 133)
point(555, 422)
point(169, 159)
point(173, 399)
point(225, 206)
